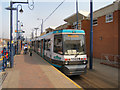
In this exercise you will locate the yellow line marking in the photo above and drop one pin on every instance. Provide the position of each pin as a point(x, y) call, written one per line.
point(68, 78)
point(64, 75)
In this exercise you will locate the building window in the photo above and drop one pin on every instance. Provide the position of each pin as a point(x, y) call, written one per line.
point(95, 22)
point(109, 18)
point(74, 25)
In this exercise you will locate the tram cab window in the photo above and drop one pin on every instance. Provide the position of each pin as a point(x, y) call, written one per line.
point(74, 44)
point(48, 45)
point(58, 44)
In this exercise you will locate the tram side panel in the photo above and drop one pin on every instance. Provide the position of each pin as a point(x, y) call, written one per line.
point(48, 48)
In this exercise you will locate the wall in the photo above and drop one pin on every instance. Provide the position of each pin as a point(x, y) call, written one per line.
point(105, 36)
point(86, 27)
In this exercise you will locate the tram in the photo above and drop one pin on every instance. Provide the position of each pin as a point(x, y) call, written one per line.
point(64, 49)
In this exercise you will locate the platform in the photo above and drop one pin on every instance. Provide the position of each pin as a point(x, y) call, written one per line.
point(35, 72)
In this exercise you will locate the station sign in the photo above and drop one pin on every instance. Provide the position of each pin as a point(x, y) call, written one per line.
point(19, 31)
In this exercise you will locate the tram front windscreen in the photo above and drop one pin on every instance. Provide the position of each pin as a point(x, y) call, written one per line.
point(74, 44)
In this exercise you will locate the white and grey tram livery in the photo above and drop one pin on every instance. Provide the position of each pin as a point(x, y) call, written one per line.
point(64, 49)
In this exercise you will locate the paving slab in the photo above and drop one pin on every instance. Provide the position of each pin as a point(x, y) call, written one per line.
point(35, 72)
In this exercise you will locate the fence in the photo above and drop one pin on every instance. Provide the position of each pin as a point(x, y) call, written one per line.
point(111, 60)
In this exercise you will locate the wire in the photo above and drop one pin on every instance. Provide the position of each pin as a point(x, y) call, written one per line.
point(53, 11)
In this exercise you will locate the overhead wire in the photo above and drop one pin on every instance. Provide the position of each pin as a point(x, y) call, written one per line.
point(53, 11)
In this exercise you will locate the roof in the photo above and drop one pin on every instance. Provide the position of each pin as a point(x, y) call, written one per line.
point(98, 13)
point(107, 9)
point(61, 26)
point(49, 29)
point(73, 17)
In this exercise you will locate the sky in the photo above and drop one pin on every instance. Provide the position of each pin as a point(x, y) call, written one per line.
point(42, 9)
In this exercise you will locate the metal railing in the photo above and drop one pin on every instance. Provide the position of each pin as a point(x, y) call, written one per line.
point(4, 60)
point(110, 59)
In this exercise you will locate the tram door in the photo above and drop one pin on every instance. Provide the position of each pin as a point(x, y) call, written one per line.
point(39, 47)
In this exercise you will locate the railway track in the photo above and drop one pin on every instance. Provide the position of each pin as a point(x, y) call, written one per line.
point(93, 80)
point(3, 75)
point(84, 82)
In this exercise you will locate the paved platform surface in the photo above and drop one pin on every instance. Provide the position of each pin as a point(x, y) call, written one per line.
point(102, 76)
point(34, 72)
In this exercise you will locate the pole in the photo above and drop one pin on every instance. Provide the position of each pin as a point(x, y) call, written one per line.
point(11, 42)
point(91, 35)
point(17, 28)
point(20, 36)
point(26, 39)
point(77, 12)
point(32, 34)
point(36, 32)
point(42, 27)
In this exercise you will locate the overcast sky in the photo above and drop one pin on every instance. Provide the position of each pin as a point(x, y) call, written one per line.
point(42, 10)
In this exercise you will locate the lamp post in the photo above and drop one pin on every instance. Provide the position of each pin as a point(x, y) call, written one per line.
point(17, 22)
point(36, 31)
point(77, 12)
point(11, 31)
point(41, 25)
point(11, 28)
point(91, 35)
point(33, 33)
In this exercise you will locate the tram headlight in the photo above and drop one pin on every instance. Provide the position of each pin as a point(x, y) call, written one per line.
point(84, 62)
point(66, 62)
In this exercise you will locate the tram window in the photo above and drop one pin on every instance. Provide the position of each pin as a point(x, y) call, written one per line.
point(48, 45)
point(38, 44)
point(58, 44)
point(45, 44)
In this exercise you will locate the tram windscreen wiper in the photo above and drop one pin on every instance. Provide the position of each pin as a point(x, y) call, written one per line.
point(81, 53)
point(76, 55)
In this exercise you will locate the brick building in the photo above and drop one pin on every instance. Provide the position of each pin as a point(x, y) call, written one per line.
point(106, 29)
